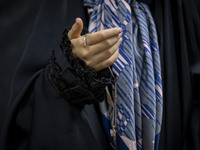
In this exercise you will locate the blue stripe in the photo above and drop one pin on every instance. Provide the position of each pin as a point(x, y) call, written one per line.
point(143, 68)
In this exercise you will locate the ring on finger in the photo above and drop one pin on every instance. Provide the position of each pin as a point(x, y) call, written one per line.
point(85, 40)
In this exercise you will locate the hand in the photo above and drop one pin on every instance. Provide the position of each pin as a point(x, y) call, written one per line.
point(102, 47)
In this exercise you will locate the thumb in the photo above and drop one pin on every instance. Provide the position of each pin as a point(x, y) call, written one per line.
point(76, 29)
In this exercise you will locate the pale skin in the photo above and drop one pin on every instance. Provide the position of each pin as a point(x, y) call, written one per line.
point(102, 47)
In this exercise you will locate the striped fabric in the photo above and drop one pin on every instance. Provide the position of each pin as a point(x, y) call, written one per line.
point(139, 86)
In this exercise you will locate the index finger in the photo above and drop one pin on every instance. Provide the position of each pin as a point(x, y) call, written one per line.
point(99, 36)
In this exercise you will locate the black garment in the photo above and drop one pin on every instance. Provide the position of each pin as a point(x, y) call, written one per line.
point(178, 25)
point(38, 117)
point(16, 23)
point(20, 18)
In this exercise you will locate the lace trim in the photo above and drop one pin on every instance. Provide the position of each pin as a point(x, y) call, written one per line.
point(87, 79)
point(72, 94)
point(94, 80)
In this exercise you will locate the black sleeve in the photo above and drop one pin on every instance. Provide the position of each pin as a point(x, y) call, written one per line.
point(73, 80)
point(47, 112)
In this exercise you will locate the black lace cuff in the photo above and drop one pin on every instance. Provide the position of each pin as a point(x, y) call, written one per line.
point(94, 80)
point(73, 80)
point(70, 89)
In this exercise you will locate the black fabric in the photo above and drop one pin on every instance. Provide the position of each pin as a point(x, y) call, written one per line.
point(87, 86)
point(38, 117)
point(178, 28)
point(16, 23)
point(94, 80)
point(178, 24)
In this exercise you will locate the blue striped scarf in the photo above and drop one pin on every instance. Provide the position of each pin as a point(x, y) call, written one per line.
point(138, 86)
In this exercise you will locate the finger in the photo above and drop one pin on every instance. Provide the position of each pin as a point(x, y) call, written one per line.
point(104, 45)
point(102, 56)
point(92, 50)
point(98, 59)
point(97, 37)
point(76, 29)
point(108, 62)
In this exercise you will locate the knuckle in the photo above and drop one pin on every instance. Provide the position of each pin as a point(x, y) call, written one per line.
point(109, 52)
point(107, 43)
point(102, 35)
point(84, 54)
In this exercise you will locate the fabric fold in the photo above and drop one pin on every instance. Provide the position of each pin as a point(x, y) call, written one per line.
point(138, 88)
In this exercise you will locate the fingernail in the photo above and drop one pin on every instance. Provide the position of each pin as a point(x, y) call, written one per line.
point(120, 34)
point(120, 40)
point(119, 30)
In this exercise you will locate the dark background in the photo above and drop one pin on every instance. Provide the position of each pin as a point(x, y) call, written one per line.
point(178, 25)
